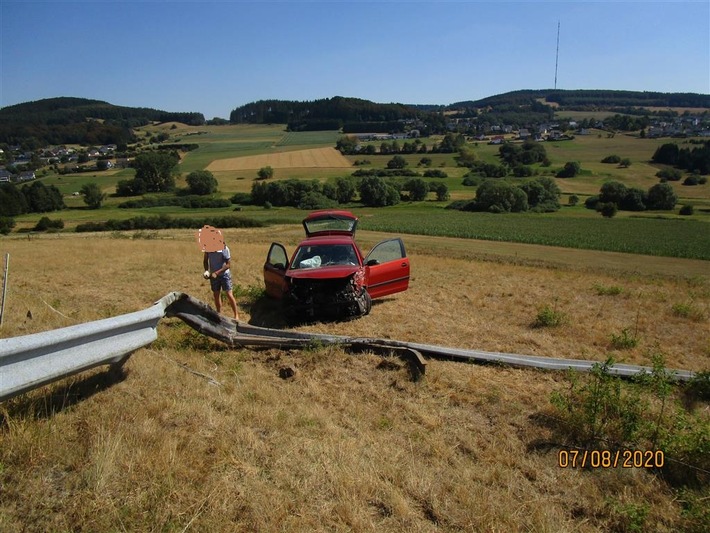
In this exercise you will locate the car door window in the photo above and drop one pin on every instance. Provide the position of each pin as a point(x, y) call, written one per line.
point(277, 256)
point(385, 252)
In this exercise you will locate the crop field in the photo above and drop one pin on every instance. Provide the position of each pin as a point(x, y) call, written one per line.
point(313, 158)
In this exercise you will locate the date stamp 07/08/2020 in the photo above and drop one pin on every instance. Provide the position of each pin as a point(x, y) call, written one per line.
point(610, 458)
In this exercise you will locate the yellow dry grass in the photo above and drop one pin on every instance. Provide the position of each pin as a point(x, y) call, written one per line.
point(350, 443)
point(311, 158)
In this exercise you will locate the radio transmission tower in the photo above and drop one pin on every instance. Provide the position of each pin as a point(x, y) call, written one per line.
point(557, 52)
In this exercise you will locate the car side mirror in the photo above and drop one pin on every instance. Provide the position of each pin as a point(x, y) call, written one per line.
point(372, 262)
point(280, 266)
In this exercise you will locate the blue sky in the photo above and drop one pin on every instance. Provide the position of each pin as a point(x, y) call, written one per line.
point(211, 57)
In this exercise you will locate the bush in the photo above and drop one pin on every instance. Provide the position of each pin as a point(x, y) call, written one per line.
point(662, 196)
point(687, 209)
point(435, 173)
point(615, 159)
point(201, 182)
point(242, 198)
point(6, 224)
point(315, 200)
point(607, 209)
point(669, 174)
point(500, 197)
point(45, 223)
point(570, 170)
point(693, 179)
point(573, 200)
point(592, 202)
point(548, 317)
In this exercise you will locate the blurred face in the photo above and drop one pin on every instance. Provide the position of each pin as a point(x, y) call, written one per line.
point(210, 239)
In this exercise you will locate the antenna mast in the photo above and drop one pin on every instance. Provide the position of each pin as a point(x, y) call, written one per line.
point(557, 52)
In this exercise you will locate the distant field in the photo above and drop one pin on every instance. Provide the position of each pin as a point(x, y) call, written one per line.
point(313, 158)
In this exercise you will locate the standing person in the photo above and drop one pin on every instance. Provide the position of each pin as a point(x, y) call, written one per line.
point(216, 262)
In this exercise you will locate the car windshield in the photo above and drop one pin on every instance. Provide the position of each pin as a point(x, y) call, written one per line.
point(324, 255)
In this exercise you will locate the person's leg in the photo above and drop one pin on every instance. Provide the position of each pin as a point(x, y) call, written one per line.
point(233, 304)
point(217, 300)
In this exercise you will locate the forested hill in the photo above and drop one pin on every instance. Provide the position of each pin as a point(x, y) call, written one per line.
point(327, 113)
point(592, 99)
point(68, 120)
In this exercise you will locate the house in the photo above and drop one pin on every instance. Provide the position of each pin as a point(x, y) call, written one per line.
point(5, 176)
point(523, 133)
point(28, 175)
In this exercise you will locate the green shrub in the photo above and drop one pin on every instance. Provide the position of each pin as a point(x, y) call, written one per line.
point(687, 209)
point(45, 224)
point(615, 159)
point(624, 340)
point(548, 317)
point(612, 290)
point(6, 225)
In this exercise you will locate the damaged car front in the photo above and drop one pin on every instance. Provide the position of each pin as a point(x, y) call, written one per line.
point(328, 277)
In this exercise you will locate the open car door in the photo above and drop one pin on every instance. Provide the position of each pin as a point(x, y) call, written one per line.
point(387, 269)
point(275, 271)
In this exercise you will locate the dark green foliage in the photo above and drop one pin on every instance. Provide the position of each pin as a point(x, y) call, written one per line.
point(397, 162)
point(42, 199)
point(345, 190)
point(417, 188)
point(6, 224)
point(340, 109)
point(155, 170)
point(687, 209)
point(166, 222)
point(694, 179)
point(265, 173)
point(573, 200)
point(500, 197)
point(570, 170)
point(615, 159)
point(93, 197)
point(314, 200)
point(526, 154)
point(347, 145)
point(12, 201)
point(471, 181)
point(201, 182)
point(384, 172)
point(612, 192)
point(451, 143)
point(134, 187)
point(292, 192)
point(607, 209)
point(376, 192)
point(45, 223)
point(662, 196)
point(488, 170)
point(543, 194)
point(242, 198)
point(435, 173)
point(634, 200)
point(597, 409)
point(64, 121)
point(591, 202)
point(669, 174)
point(666, 154)
point(189, 202)
point(523, 171)
point(441, 191)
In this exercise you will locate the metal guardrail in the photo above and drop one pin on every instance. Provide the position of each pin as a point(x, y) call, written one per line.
point(31, 361)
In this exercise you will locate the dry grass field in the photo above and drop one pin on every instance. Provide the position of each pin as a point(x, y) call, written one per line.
point(311, 158)
point(199, 437)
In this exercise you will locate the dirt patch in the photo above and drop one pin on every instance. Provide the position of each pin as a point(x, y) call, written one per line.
point(313, 158)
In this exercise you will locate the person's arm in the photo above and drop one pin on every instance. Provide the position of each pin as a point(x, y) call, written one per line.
point(225, 267)
point(205, 263)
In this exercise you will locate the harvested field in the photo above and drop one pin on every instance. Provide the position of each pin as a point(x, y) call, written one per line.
point(313, 158)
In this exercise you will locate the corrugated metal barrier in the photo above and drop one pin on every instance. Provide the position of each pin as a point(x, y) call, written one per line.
point(31, 361)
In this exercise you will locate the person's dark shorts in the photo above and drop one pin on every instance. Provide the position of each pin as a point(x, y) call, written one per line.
point(223, 282)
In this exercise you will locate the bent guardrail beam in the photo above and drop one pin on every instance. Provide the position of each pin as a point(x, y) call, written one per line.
point(205, 320)
point(30, 361)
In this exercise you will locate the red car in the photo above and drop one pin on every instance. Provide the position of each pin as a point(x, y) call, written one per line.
point(328, 277)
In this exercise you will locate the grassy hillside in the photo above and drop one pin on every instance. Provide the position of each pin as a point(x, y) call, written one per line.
point(198, 436)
